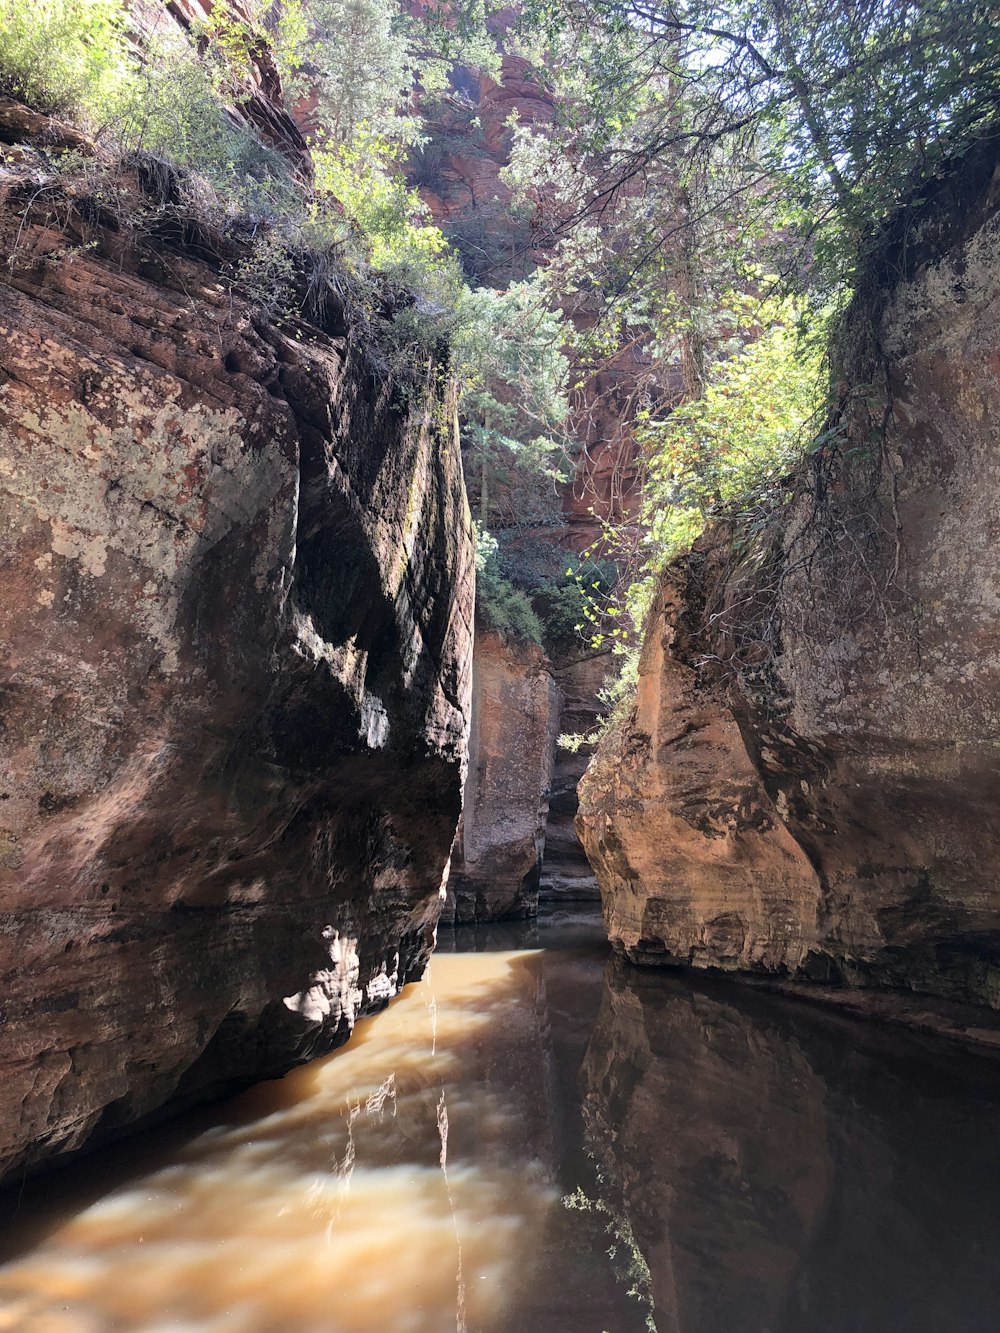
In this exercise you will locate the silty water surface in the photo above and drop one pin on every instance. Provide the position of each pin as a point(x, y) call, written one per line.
point(535, 1137)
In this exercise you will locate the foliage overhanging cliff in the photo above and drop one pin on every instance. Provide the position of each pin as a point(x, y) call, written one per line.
point(806, 782)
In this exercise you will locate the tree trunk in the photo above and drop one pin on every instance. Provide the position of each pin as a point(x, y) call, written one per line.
point(484, 478)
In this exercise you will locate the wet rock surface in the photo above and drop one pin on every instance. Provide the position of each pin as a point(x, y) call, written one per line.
point(236, 622)
point(808, 784)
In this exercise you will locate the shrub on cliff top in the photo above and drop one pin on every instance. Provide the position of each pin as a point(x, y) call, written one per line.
point(80, 59)
point(727, 450)
point(61, 56)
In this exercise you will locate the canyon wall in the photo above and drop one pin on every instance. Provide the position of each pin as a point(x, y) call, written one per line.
point(238, 585)
point(808, 783)
point(567, 875)
point(458, 173)
point(498, 850)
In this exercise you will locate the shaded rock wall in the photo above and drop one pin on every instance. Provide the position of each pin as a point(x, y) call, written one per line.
point(235, 682)
point(809, 782)
point(498, 849)
point(567, 875)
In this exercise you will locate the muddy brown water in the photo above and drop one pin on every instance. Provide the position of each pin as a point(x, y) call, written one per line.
point(536, 1138)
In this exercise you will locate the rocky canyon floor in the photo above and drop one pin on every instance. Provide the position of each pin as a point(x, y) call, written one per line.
point(535, 1137)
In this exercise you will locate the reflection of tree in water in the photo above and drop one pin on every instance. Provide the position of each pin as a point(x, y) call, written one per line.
point(627, 1260)
point(710, 1142)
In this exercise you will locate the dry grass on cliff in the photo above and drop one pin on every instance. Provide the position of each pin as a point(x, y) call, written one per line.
point(139, 204)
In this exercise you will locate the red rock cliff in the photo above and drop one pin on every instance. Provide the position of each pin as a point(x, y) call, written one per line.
point(236, 632)
point(809, 781)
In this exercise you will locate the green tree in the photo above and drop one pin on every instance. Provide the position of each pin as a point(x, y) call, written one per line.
point(815, 117)
point(726, 450)
point(509, 352)
point(354, 58)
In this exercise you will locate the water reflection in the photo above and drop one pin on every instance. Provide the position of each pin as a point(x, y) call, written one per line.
point(778, 1170)
point(322, 1202)
point(732, 1163)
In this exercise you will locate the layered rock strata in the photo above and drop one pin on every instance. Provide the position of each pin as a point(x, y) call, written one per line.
point(809, 781)
point(236, 629)
point(498, 850)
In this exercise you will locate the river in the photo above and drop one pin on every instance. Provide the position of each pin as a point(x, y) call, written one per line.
point(535, 1137)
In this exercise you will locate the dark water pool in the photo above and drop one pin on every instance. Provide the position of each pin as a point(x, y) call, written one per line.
point(535, 1138)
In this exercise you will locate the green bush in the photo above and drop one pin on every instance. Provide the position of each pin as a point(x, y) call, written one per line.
point(499, 605)
point(62, 56)
point(727, 450)
point(564, 605)
point(75, 58)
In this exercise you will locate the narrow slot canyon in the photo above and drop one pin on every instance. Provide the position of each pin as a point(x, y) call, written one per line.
point(499, 666)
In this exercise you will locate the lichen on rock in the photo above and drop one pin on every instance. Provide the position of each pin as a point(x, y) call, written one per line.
point(238, 586)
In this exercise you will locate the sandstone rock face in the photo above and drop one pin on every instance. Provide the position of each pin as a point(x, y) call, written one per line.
point(810, 779)
point(236, 631)
point(497, 854)
point(458, 170)
point(694, 862)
